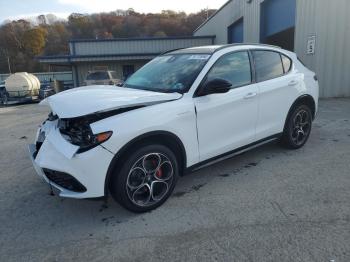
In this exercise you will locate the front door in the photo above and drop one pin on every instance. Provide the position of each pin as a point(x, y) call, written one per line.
point(227, 121)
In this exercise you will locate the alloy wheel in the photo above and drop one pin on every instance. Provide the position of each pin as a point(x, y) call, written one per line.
point(301, 127)
point(150, 179)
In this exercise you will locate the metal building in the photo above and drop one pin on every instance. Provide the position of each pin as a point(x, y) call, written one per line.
point(317, 30)
point(121, 55)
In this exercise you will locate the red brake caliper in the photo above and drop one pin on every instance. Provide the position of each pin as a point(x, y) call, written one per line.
point(159, 173)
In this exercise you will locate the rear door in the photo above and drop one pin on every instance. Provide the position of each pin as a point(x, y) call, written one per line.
point(278, 88)
point(227, 121)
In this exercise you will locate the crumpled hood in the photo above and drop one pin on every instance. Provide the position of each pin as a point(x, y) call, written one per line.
point(92, 99)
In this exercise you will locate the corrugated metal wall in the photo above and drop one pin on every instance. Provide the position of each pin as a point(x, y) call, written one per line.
point(251, 14)
point(140, 46)
point(226, 16)
point(113, 54)
point(328, 20)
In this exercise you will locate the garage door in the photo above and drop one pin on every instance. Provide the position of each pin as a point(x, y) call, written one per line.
point(235, 32)
point(277, 23)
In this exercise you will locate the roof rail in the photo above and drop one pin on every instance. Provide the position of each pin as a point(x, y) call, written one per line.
point(172, 50)
point(244, 44)
point(224, 46)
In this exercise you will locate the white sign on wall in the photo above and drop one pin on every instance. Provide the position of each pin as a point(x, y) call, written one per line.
point(311, 45)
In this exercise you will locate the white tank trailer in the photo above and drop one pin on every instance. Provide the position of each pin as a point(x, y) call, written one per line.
point(22, 85)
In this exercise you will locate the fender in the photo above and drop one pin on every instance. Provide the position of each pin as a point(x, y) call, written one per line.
point(165, 137)
point(306, 99)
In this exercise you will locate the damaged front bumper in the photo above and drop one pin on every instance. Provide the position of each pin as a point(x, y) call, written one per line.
point(58, 163)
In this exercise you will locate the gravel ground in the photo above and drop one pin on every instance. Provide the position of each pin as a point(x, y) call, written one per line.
point(269, 204)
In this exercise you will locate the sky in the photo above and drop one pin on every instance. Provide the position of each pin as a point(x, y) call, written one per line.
point(15, 9)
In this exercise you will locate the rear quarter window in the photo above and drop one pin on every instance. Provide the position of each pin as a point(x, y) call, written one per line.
point(287, 63)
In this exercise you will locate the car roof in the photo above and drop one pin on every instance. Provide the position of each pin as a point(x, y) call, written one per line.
point(212, 49)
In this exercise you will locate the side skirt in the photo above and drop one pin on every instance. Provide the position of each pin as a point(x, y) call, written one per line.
point(232, 153)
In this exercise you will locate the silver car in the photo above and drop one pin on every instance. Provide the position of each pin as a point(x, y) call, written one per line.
point(102, 78)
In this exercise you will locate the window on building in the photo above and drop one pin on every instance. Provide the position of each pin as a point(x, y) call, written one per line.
point(234, 67)
point(268, 65)
point(101, 75)
point(128, 70)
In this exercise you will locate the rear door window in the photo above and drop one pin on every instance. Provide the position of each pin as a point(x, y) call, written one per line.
point(268, 65)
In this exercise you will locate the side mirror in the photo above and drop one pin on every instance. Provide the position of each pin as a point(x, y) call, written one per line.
point(215, 86)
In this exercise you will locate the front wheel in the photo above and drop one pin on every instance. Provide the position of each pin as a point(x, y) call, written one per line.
point(146, 179)
point(298, 127)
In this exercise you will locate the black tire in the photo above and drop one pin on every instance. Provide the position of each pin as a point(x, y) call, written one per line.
point(3, 98)
point(298, 127)
point(151, 165)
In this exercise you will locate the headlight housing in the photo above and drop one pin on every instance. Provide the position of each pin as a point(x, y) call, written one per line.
point(78, 132)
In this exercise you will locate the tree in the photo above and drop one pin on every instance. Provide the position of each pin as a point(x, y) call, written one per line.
point(21, 41)
point(80, 25)
point(34, 40)
point(57, 39)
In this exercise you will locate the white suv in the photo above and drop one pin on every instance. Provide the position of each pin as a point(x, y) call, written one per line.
point(183, 110)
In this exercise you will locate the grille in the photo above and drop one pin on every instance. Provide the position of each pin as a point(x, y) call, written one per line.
point(64, 180)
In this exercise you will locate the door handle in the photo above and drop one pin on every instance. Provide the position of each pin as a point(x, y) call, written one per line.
point(293, 83)
point(250, 95)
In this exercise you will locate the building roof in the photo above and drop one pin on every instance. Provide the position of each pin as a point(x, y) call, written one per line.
point(217, 11)
point(85, 50)
point(140, 39)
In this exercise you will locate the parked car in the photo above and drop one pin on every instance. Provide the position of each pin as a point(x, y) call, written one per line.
point(46, 90)
point(102, 78)
point(184, 110)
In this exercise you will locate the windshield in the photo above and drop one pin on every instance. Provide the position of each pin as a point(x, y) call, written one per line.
point(114, 75)
point(169, 73)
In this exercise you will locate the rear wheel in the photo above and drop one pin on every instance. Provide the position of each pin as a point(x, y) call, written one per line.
point(3, 98)
point(298, 127)
point(146, 179)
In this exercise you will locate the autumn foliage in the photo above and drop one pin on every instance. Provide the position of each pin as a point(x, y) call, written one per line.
point(21, 41)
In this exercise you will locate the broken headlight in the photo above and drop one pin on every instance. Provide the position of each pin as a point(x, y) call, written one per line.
point(78, 132)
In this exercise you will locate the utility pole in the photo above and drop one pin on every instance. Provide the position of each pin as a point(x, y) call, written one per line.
point(9, 65)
